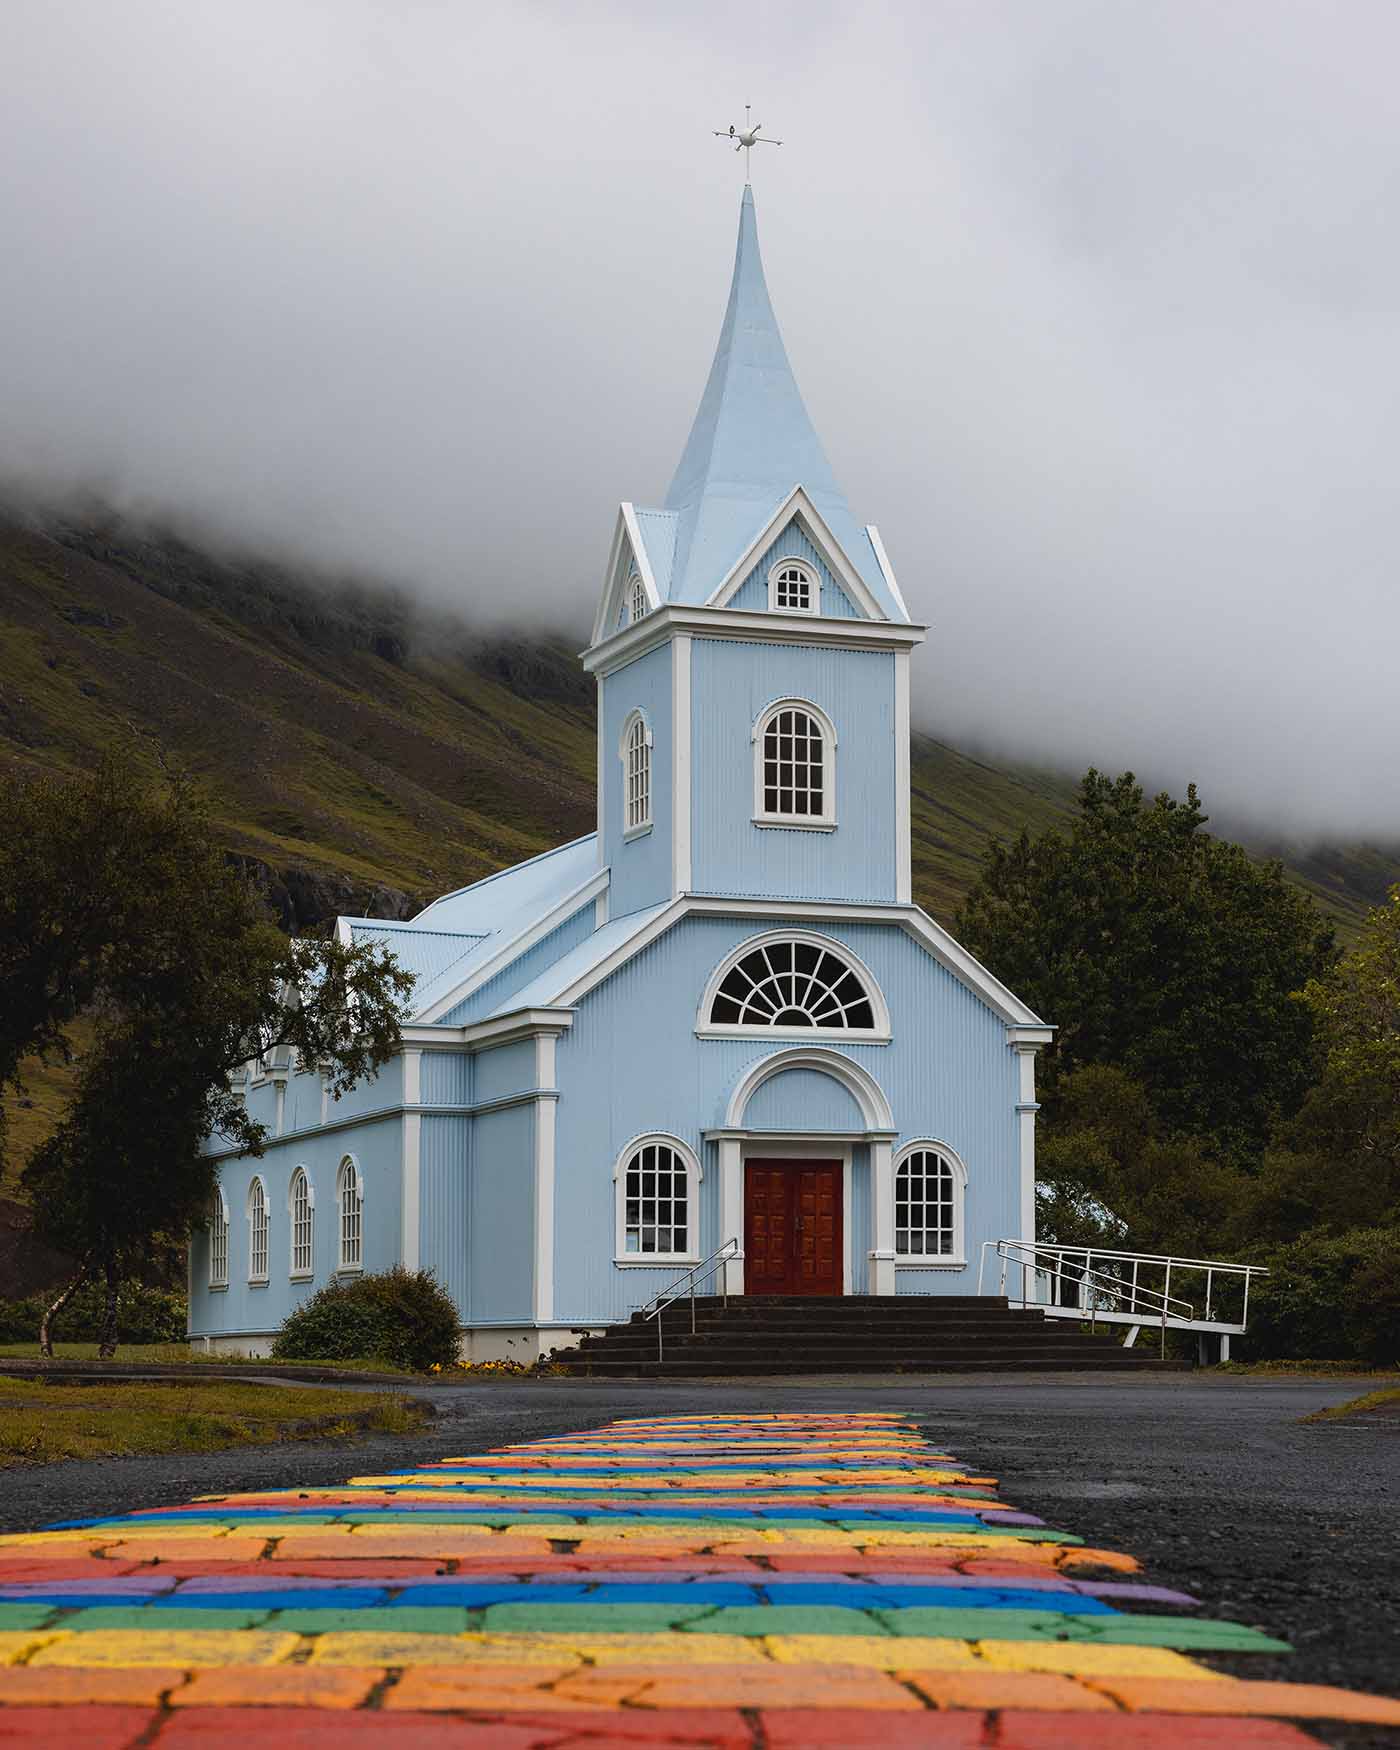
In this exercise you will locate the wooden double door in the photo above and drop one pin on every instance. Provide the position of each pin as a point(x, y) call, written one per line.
point(792, 1227)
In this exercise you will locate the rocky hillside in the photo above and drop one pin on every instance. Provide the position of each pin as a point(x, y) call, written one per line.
point(362, 755)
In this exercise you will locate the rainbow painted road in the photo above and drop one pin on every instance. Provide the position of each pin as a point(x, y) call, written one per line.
point(774, 1582)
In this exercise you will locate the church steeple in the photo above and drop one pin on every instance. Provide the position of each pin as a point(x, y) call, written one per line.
point(752, 442)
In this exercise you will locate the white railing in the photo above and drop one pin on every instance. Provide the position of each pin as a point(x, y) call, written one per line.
point(1125, 1288)
point(677, 1290)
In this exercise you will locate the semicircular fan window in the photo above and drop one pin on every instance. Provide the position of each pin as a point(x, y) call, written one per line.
point(791, 984)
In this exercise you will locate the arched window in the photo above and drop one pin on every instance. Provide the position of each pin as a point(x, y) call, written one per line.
point(636, 774)
point(257, 1231)
point(638, 600)
point(794, 981)
point(350, 1195)
point(794, 766)
point(794, 588)
point(301, 1208)
point(218, 1240)
point(657, 1185)
point(928, 1204)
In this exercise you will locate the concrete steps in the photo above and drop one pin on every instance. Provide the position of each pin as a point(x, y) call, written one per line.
point(853, 1334)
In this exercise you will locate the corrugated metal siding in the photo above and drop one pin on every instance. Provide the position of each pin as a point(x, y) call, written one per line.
point(445, 1078)
point(377, 1146)
point(518, 974)
point(752, 594)
point(732, 682)
point(303, 1108)
point(373, 1094)
point(858, 1216)
point(500, 1216)
point(641, 867)
point(426, 953)
point(444, 1193)
point(658, 532)
point(509, 1069)
point(804, 1099)
point(631, 1063)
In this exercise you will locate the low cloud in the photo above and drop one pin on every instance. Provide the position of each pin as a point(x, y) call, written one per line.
point(1093, 305)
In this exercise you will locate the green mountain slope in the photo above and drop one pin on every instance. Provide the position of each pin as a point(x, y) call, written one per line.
point(365, 756)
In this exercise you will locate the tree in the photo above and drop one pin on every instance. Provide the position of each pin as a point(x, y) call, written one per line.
point(116, 902)
point(1163, 952)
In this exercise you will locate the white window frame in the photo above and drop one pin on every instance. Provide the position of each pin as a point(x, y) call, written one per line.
point(811, 576)
point(879, 1034)
point(956, 1259)
point(635, 724)
point(638, 607)
point(218, 1239)
point(258, 1252)
point(345, 1265)
point(826, 820)
point(694, 1174)
point(300, 1271)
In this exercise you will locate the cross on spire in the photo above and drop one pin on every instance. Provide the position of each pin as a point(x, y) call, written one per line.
point(746, 138)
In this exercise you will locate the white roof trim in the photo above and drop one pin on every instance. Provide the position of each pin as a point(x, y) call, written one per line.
point(516, 945)
point(764, 626)
point(883, 560)
point(950, 954)
point(797, 505)
point(626, 531)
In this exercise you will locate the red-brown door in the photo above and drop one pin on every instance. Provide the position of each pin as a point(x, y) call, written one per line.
point(792, 1227)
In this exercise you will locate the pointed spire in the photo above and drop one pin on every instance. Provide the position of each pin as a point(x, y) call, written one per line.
point(751, 443)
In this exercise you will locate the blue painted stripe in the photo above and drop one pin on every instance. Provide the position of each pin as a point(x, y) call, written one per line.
point(430, 1515)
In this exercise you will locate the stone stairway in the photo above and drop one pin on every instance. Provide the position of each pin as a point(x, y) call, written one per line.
point(858, 1333)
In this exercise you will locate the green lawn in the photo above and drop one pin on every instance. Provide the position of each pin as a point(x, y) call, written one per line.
point(43, 1424)
point(135, 1353)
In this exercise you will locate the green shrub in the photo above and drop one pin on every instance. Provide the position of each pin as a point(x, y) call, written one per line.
point(144, 1315)
point(1329, 1299)
point(401, 1317)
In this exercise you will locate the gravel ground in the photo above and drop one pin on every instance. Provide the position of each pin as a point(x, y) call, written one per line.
point(1212, 1481)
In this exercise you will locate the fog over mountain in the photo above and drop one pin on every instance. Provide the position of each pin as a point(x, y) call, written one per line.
point(1094, 306)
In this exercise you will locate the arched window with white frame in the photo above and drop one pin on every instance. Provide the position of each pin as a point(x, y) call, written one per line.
point(301, 1210)
point(658, 1186)
point(930, 1183)
point(794, 779)
point(350, 1200)
point(257, 1231)
point(218, 1240)
point(635, 752)
point(792, 982)
point(638, 600)
point(794, 588)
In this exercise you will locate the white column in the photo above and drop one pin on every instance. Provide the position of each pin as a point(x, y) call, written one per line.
point(903, 802)
point(731, 1209)
point(544, 1179)
point(410, 1224)
point(279, 1122)
point(1026, 1109)
point(680, 762)
point(882, 1216)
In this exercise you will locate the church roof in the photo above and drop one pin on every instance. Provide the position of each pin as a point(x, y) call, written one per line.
point(751, 443)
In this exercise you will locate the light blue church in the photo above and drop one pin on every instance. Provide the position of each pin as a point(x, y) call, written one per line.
point(720, 1016)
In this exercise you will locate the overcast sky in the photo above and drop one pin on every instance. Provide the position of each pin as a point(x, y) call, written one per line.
point(1094, 303)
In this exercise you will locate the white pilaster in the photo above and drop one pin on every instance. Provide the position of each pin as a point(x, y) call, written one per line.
point(544, 1177)
point(882, 1226)
point(731, 1209)
point(680, 762)
point(1026, 1109)
point(903, 833)
point(410, 1220)
point(279, 1122)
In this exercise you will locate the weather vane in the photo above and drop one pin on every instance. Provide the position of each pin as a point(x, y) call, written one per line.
point(746, 138)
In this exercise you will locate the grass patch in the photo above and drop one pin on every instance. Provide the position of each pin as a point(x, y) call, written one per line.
point(133, 1354)
point(1385, 1403)
point(1308, 1369)
point(44, 1424)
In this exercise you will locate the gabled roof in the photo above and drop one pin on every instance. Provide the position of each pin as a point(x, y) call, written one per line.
point(751, 442)
point(427, 954)
point(540, 882)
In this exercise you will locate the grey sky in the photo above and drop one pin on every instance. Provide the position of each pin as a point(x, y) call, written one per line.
point(1095, 306)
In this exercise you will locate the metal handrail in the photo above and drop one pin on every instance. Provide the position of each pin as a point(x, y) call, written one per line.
point(1013, 1251)
point(664, 1297)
